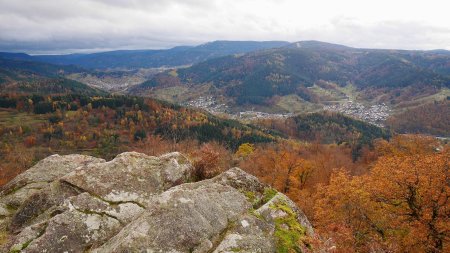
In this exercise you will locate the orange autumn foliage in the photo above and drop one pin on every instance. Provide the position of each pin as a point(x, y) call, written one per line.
point(345, 214)
point(17, 159)
point(280, 166)
point(402, 205)
point(415, 191)
point(210, 160)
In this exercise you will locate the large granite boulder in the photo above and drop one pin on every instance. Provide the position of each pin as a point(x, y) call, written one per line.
point(140, 203)
point(33, 183)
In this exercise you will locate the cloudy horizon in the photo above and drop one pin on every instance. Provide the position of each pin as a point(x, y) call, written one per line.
point(65, 26)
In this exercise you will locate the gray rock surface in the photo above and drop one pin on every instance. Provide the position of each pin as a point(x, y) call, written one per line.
point(32, 184)
point(140, 203)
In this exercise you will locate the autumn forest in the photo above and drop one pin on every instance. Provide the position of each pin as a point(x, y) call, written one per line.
point(363, 188)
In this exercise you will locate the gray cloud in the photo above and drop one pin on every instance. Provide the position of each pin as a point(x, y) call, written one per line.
point(63, 26)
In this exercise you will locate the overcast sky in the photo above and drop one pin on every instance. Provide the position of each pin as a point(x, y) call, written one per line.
point(65, 26)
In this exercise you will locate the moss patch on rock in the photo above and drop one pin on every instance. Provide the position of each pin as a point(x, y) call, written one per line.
point(256, 214)
point(288, 231)
point(258, 199)
point(269, 193)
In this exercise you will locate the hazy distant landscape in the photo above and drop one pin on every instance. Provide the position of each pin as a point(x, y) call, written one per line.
point(268, 79)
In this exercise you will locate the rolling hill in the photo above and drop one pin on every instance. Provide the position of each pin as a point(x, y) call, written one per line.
point(23, 76)
point(336, 128)
point(273, 77)
point(308, 70)
point(134, 59)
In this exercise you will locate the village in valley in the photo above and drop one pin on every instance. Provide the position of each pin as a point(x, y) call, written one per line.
point(374, 114)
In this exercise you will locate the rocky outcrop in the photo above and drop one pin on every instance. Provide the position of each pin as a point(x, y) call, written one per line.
point(140, 203)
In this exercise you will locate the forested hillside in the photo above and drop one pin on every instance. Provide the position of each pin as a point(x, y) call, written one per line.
point(432, 118)
point(24, 76)
point(255, 78)
point(36, 126)
point(328, 128)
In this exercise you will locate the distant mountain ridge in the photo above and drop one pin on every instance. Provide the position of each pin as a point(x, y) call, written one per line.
point(271, 76)
point(24, 76)
point(256, 77)
point(132, 59)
